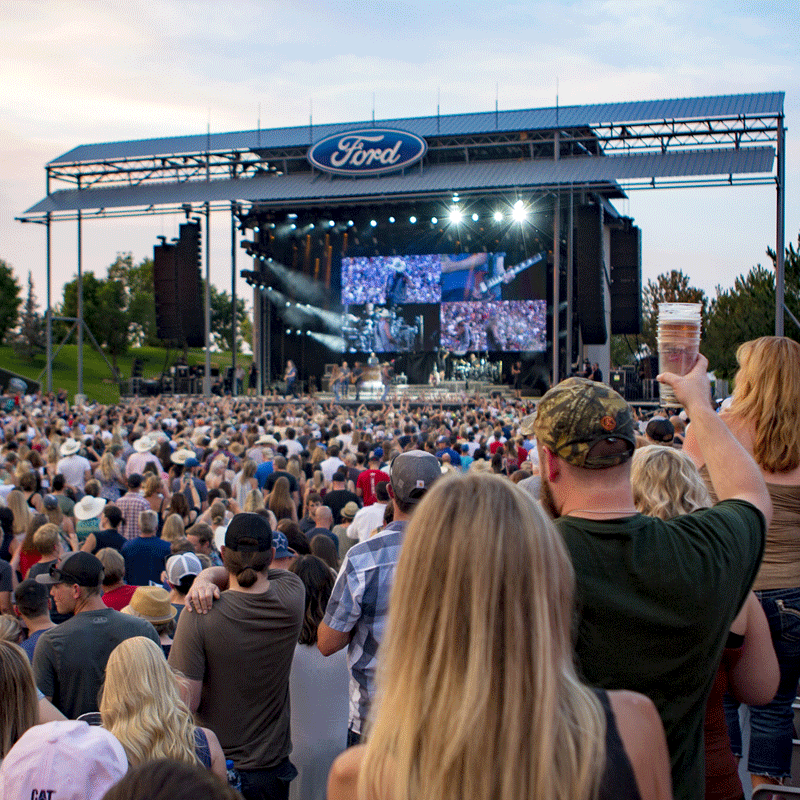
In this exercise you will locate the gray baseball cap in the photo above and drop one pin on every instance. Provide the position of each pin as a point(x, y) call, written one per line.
point(412, 474)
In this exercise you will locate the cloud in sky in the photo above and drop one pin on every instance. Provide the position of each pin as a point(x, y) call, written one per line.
point(76, 72)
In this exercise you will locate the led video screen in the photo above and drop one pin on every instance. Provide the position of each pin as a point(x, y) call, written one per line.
point(460, 303)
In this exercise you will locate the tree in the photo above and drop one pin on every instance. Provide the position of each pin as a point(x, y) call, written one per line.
point(10, 299)
point(91, 305)
point(112, 329)
point(669, 287)
point(138, 281)
point(31, 339)
point(747, 311)
point(221, 328)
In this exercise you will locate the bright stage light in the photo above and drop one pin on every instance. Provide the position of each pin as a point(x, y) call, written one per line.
point(497, 216)
point(519, 212)
point(475, 217)
point(331, 223)
point(256, 229)
point(373, 223)
point(455, 215)
point(434, 220)
point(297, 332)
point(293, 226)
point(288, 331)
point(391, 219)
point(412, 220)
point(350, 223)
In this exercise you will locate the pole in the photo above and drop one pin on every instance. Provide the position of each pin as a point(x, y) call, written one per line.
point(80, 310)
point(234, 389)
point(49, 316)
point(207, 372)
point(570, 281)
point(556, 287)
point(779, 232)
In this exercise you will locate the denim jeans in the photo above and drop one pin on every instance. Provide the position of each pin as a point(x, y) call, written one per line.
point(268, 784)
point(772, 725)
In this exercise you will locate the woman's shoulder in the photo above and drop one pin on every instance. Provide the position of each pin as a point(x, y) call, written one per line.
point(343, 777)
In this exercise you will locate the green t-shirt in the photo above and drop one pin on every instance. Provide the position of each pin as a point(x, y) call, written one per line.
point(655, 601)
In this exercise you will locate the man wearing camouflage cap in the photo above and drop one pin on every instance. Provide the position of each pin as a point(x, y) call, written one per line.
point(656, 598)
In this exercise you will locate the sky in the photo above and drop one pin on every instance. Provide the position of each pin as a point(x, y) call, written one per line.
point(82, 72)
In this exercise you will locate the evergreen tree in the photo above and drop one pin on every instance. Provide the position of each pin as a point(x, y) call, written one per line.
point(31, 339)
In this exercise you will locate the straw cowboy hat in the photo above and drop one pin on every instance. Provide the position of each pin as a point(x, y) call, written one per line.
point(70, 447)
point(143, 444)
point(89, 507)
point(151, 603)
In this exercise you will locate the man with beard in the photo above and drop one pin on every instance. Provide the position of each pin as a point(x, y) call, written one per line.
point(656, 597)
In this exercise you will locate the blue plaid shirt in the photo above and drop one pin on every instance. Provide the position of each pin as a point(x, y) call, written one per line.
point(360, 601)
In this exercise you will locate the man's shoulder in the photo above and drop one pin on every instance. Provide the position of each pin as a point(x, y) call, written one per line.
point(385, 543)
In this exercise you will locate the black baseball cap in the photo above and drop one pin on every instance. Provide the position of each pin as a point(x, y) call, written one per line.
point(81, 568)
point(248, 533)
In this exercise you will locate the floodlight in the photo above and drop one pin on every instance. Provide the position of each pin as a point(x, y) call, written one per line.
point(434, 220)
point(412, 220)
point(391, 219)
point(455, 215)
point(498, 216)
point(373, 223)
point(475, 217)
point(519, 212)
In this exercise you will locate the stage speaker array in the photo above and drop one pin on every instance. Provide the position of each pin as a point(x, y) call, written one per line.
point(626, 280)
point(176, 286)
point(589, 295)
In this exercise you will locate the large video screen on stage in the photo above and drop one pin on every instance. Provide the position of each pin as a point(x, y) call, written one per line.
point(461, 303)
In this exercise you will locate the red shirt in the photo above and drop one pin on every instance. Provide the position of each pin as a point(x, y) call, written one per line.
point(119, 598)
point(495, 444)
point(367, 481)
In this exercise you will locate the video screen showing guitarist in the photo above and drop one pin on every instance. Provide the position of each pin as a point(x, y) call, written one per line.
point(463, 274)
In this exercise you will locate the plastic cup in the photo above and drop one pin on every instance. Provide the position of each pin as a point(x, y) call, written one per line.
point(678, 342)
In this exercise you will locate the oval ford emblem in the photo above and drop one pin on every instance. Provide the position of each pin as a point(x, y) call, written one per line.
point(370, 151)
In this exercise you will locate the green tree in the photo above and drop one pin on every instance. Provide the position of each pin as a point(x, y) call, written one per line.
point(221, 328)
point(112, 330)
point(91, 304)
point(138, 281)
point(747, 311)
point(10, 299)
point(669, 287)
point(31, 339)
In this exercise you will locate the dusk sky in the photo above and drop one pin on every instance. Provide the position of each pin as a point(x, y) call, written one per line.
point(79, 72)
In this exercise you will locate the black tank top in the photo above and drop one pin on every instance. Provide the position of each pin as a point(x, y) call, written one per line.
point(618, 781)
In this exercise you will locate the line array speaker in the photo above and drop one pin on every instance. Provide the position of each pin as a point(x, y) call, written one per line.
point(589, 295)
point(626, 280)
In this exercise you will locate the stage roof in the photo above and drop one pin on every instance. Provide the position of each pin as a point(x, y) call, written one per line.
point(606, 148)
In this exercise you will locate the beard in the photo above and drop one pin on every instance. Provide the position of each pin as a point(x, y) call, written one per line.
point(547, 500)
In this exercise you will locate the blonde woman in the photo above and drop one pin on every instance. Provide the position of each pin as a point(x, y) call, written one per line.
point(173, 528)
point(254, 500)
point(244, 481)
point(108, 474)
point(18, 702)
point(142, 706)
point(765, 417)
point(478, 695)
point(22, 514)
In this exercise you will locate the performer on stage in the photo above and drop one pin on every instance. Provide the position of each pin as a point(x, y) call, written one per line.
point(387, 373)
point(252, 379)
point(516, 379)
point(384, 341)
point(396, 285)
point(290, 376)
point(357, 378)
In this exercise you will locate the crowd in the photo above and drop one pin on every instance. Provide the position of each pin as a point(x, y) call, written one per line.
point(500, 601)
point(391, 279)
point(498, 325)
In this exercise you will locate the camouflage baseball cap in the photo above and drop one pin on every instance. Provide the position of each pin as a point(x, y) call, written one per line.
point(576, 415)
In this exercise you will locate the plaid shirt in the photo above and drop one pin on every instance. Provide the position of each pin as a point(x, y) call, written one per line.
point(131, 504)
point(360, 601)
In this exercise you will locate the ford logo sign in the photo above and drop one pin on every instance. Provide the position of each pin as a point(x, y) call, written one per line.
point(371, 151)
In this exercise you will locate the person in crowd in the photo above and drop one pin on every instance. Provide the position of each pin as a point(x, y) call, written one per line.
point(370, 477)
point(67, 760)
point(31, 605)
point(145, 555)
point(55, 515)
point(74, 467)
point(659, 430)
point(142, 707)
point(318, 688)
point(764, 418)
point(245, 480)
point(201, 537)
point(280, 471)
point(470, 736)
point(166, 779)
point(323, 519)
point(141, 457)
point(332, 464)
point(173, 528)
point(355, 617)
point(369, 518)
point(280, 501)
point(644, 626)
point(18, 702)
point(290, 376)
point(47, 542)
point(313, 501)
point(131, 504)
point(322, 547)
point(338, 496)
point(94, 630)
point(255, 624)
point(110, 478)
point(152, 603)
point(666, 484)
point(340, 531)
point(181, 569)
point(108, 535)
point(116, 593)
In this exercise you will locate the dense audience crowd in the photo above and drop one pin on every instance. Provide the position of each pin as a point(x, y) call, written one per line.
point(218, 596)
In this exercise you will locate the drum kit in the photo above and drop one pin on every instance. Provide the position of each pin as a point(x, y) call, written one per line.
point(479, 369)
point(362, 334)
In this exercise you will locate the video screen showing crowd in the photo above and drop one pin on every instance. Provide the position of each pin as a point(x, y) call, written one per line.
point(462, 303)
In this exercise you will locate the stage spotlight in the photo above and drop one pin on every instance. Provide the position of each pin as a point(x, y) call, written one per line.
point(412, 220)
point(350, 223)
point(455, 215)
point(293, 226)
point(331, 223)
point(256, 229)
point(519, 213)
point(297, 332)
point(391, 219)
point(475, 217)
point(497, 216)
point(288, 304)
point(434, 220)
point(373, 223)
point(288, 333)
point(272, 225)
point(291, 216)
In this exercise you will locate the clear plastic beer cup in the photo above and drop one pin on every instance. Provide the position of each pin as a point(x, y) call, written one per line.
point(678, 342)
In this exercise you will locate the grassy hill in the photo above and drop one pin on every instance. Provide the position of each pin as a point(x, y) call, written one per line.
point(98, 383)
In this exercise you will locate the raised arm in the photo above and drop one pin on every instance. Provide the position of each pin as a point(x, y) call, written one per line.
point(733, 472)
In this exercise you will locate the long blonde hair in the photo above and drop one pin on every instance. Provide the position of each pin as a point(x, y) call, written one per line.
point(19, 709)
point(666, 483)
point(767, 397)
point(142, 706)
point(477, 694)
point(107, 468)
point(173, 528)
point(20, 509)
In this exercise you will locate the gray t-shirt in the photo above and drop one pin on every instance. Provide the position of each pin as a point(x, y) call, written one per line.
point(69, 661)
point(242, 652)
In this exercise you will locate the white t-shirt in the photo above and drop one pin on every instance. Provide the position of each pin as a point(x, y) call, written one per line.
point(74, 469)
